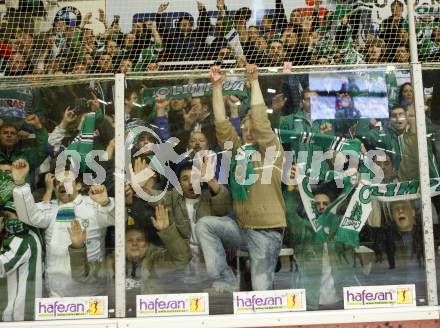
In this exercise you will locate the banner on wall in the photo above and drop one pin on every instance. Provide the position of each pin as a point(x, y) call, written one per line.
point(59, 308)
point(142, 10)
point(172, 304)
point(363, 297)
point(288, 300)
point(231, 86)
point(74, 12)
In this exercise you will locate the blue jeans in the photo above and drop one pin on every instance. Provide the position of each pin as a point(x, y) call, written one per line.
point(217, 233)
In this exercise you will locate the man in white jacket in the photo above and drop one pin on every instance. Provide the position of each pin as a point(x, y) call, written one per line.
point(94, 212)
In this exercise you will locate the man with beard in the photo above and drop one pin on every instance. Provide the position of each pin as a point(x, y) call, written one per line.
point(94, 212)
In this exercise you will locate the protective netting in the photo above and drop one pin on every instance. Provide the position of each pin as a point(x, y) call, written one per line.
point(97, 36)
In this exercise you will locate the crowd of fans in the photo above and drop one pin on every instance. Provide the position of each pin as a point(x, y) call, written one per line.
point(313, 37)
point(187, 213)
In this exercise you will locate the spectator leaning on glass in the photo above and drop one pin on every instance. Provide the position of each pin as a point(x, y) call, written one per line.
point(258, 205)
point(143, 260)
point(95, 213)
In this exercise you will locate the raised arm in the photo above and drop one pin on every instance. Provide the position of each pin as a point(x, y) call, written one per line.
point(105, 214)
point(59, 133)
point(36, 156)
point(224, 129)
point(177, 248)
point(152, 26)
point(257, 98)
point(203, 22)
point(161, 123)
point(264, 134)
point(280, 16)
point(218, 104)
point(27, 210)
point(83, 270)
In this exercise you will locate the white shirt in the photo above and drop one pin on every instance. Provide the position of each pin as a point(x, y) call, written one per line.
point(92, 217)
point(190, 207)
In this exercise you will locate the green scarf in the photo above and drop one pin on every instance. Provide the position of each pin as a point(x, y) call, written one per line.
point(326, 219)
point(231, 86)
point(15, 227)
point(6, 188)
point(83, 142)
point(242, 168)
point(327, 142)
point(359, 207)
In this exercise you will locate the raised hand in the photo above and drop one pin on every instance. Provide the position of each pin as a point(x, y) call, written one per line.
point(190, 118)
point(221, 4)
point(87, 18)
point(278, 102)
point(233, 104)
point(143, 175)
point(101, 16)
point(20, 170)
point(34, 121)
point(93, 103)
point(163, 7)
point(128, 193)
point(77, 234)
point(111, 148)
point(326, 128)
point(151, 25)
point(161, 105)
point(215, 75)
point(251, 72)
point(153, 67)
point(23, 135)
point(98, 193)
point(223, 53)
point(69, 118)
point(161, 221)
point(49, 180)
point(200, 6)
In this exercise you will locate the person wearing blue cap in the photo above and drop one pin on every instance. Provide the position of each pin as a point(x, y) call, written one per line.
point(21, 267)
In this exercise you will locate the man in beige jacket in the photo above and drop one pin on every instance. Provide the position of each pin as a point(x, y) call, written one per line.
point(255, 184)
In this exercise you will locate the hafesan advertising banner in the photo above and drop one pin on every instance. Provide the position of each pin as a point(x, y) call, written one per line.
point(172, 304)
point(287, 300)
point(364, 297)
point(95, 307)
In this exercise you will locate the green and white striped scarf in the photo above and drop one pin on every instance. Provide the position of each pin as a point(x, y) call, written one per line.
point(83, 142)
point(359, 207)
point(241, 169)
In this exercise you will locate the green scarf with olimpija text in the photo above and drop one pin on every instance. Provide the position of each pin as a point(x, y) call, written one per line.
point(359, 206)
